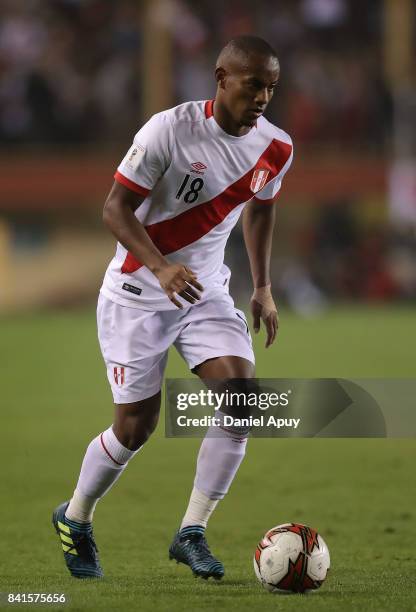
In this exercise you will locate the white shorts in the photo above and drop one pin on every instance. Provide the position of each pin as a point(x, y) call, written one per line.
point(135, 342)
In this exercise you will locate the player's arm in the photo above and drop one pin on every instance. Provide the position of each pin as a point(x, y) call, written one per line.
point(119, 217)
point(258, 223)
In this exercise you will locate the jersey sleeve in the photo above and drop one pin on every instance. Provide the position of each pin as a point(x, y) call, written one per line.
point(270, 191)
point(148, 157)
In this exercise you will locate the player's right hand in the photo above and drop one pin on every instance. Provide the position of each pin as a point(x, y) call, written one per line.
point(178, 279)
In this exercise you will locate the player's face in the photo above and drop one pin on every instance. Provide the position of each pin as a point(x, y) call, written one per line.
point(250, 88)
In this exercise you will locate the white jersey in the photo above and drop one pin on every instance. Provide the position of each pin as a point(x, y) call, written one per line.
point(195, 179)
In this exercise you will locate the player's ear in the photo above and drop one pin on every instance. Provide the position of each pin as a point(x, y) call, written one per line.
point(220, 76)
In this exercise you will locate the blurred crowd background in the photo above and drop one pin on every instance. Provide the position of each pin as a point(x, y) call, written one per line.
point(79, 77)
point(71, 71)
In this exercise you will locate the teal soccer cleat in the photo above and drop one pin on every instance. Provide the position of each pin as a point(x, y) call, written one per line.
point(191, 548)
point(80, 550)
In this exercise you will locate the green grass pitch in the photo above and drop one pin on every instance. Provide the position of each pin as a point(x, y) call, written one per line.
point(359, 494)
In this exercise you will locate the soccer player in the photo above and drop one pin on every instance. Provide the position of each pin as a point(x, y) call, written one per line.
point(178, 192)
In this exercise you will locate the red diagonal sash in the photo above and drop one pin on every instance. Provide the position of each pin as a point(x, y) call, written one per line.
point(187, 227)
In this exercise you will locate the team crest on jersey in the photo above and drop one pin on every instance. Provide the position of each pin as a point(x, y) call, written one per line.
point(119, 375)
point(259, 179)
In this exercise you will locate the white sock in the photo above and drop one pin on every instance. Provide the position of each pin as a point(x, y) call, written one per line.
point(219, 458)
point(81, 508)
point(104, 462)
point(199, 509)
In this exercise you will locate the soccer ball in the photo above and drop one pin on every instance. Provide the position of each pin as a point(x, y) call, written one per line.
point(291, 558)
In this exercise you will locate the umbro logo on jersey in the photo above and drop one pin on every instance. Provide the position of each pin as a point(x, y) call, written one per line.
point(259, 179)
point(198, 167)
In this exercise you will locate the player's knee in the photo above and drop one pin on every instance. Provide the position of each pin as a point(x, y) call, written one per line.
point(241, 396)
point(134, 424)
point(137, 432)
point(144, 429)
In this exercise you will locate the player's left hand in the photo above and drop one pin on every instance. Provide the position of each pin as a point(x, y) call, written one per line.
point(264, 309)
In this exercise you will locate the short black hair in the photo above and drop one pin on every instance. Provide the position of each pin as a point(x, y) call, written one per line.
point(246, 45)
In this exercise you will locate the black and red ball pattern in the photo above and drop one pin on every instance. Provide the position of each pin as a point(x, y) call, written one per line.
point(296, 578)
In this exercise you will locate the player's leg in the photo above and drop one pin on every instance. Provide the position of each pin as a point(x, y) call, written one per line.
point(109, 453)
point(222, 449)
point(136, 392)
point(106, 458)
